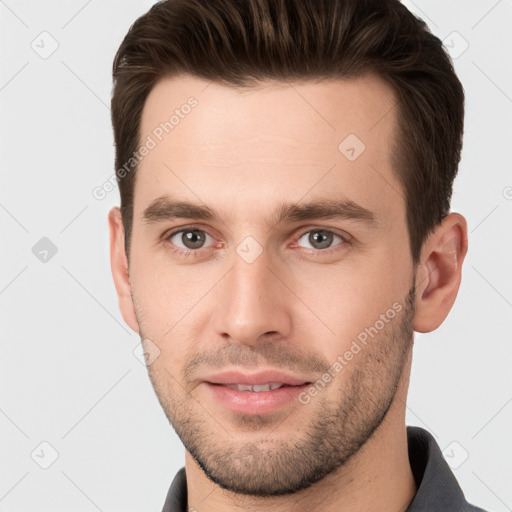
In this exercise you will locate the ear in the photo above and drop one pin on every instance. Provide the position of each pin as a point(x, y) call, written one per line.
point(439, 272)
point(119, 266)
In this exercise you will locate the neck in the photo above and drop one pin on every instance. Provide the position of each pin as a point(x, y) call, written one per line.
point(377, 479)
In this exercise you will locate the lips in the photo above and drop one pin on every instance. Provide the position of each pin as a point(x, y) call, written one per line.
point(263, 392)
point(267, 380)
point(254, 399)
point(256, 387)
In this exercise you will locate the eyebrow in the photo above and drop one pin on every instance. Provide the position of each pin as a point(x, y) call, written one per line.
point(166, 208)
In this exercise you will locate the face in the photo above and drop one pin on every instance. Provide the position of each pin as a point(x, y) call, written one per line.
point(291, 256)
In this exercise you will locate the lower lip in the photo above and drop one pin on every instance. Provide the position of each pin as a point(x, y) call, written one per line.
point(254, 402)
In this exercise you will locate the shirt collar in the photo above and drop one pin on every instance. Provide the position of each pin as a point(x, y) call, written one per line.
point(437, 487)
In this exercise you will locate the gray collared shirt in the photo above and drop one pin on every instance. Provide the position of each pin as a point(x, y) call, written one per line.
point(438, 489)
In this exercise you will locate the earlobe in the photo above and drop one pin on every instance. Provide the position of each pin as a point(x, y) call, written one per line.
point(119, 267)
point(440, 272)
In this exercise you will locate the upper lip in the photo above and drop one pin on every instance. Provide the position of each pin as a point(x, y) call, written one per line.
point(262, 377)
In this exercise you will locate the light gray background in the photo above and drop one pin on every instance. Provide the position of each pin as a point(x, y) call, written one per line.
point(69, 376)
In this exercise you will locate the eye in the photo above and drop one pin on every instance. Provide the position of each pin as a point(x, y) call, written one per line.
point(191, 241)
point(320, 239)
point(190, 238)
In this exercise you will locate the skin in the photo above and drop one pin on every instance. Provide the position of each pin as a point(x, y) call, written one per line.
point(295, 307)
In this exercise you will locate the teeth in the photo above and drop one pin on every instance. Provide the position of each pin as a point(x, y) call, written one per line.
point(265, 387)
point(241, 387)
point(256, 387)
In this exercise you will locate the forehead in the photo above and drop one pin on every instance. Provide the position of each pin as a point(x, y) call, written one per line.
point(329, 107)
point(275, 141)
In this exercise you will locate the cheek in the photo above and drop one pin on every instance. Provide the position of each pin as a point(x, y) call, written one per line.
point(345, 299)
point(168, 300)
point(165, 293)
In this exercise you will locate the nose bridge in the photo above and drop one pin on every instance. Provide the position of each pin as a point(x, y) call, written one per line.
point(251, 299)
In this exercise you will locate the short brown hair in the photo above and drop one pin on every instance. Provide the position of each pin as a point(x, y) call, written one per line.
point(241, 43)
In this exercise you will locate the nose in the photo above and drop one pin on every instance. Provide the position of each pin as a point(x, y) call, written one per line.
point(253, 302)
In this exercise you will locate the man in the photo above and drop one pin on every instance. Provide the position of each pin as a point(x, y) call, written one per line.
point(285, 170)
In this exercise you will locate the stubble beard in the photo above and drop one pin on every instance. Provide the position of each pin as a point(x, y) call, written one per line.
point(336, 429)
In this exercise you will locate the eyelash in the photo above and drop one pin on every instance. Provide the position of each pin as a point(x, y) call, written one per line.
point(346, 241)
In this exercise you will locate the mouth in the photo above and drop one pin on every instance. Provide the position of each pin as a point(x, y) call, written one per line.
point(258, 388)
point(263, 392)
point(256, 399)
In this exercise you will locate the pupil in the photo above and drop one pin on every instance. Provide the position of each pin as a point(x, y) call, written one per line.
point(324, 239)
point(193, 239)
